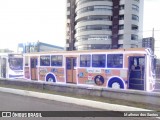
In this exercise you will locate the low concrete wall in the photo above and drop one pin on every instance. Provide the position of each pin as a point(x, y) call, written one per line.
point(128, 95)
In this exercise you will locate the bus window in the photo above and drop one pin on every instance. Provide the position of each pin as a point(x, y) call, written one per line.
point(56, 60)
point(68, 63)
point(74, 62)
point(3, 70)
point(33, 62)
point(16, 63)
point(115, 60)
point(98, 60)
point(85, 60)
point(138, 62)
point(45, 60)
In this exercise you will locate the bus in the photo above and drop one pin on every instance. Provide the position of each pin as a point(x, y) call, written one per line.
point(132, 68)
point(11, 65)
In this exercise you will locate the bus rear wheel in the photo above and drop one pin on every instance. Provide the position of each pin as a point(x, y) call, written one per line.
point(116, 83)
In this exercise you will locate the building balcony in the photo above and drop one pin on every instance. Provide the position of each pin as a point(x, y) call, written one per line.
point(94, 22)
point(90, 13)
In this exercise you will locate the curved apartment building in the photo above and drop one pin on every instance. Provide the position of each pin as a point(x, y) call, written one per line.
point(103, 24)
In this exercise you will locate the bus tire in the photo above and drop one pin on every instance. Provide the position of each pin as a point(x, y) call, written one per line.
point(116, 83)
point(50, 78)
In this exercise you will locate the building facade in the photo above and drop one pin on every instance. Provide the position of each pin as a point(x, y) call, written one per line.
point(103, 24)
point(37, 47)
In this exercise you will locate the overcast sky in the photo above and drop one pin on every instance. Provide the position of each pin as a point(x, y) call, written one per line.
point(44, 20)
point(32, 20)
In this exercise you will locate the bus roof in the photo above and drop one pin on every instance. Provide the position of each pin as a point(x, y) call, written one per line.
point(86, 51)
point(10, 54)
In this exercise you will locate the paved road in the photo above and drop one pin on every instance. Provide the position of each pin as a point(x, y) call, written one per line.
point(12, 102)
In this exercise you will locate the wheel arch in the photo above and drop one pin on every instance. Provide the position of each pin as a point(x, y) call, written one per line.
point(115, 78)
point(51, 75)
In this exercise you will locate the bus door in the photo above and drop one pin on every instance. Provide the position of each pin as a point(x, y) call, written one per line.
point(71, 63)
point(34, 72)
point(136, 66)
point(3, 67)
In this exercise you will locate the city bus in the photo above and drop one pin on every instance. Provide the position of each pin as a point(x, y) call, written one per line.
point(116, 68)
point(11, 65)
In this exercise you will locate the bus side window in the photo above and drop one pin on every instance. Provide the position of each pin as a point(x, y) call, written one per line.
point(85, 60)
point(45, 60)
point(115, 60)
point(99, 60)
point(56, 60)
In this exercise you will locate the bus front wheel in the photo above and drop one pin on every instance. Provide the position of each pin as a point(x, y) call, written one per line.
point(116, 83)
point(50, 78)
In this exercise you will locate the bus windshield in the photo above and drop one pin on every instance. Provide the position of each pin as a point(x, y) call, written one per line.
point(16, 63)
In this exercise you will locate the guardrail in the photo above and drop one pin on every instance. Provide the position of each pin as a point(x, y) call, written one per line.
point(120, 94)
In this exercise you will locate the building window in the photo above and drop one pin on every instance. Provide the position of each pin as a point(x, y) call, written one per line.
point(134, 27)
point(56, 60)
point(133, 46)
point(95, 17)
point(115, 60)
point(98, 60)
point(135, 7)
point(94, 27)
point(121, 17)
point(45, 60)
point(95, 8)
point(120, 46)
point(121, 27)
point(121, 7)
point(93, 37)
point(135, 17)
point(85, 60)
point(134, 37)
point(121, 36)
point(136, 0)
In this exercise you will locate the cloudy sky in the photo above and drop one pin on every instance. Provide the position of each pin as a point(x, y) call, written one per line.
point(44, 20)
point(32, 20)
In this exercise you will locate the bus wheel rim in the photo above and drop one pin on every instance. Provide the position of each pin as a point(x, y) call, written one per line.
point(116, 85)
point(50, 79)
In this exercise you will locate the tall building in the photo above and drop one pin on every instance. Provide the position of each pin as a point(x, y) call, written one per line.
point(148, 43)
point(103, 24)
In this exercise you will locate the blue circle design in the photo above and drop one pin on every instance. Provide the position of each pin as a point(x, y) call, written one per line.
point(99, 80)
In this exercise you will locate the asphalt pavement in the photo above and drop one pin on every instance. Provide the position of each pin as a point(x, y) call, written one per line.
point(22, 103)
